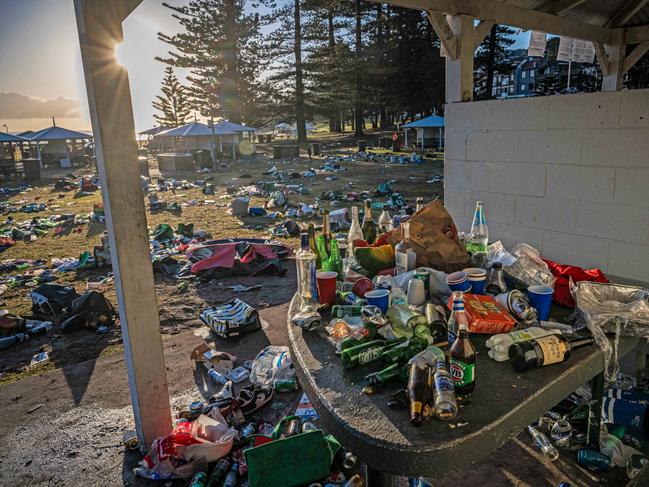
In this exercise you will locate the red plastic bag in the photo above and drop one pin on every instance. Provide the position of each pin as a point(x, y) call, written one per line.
point(563, 274)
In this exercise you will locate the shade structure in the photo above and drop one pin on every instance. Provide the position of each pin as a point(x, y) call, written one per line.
point(154, 130)
point(194, 129)
point(6, 138)
point(58, 133)
point(432, 121)
point(231, 127)
point(27, 134)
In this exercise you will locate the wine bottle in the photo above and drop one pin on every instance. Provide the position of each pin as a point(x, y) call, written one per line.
point(548, 350)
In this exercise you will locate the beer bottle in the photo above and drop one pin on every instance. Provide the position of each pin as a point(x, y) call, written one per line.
point(404, 352)
point(322, 252)
point(419, 391)
point(444, 402)
point(367, 352)
point(313, 246)
point(457, 317)
point(437, 323)
point(335, 260)
point(368, 227)
point(361, 335)
point(326, 229)
point(462, 365)
point(548, 350)
point(392, 373)
point(420, 203)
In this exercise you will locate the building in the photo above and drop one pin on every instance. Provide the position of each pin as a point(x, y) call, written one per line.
point(430, 131)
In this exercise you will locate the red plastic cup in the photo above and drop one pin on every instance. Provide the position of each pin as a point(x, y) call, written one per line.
point(326, 284)
point(362, 286)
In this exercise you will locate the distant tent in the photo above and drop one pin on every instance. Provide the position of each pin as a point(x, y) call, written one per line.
point(430, 131)
point(58, 133)
point(7, 138)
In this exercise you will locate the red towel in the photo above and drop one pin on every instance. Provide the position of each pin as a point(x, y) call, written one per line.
point(563, 274)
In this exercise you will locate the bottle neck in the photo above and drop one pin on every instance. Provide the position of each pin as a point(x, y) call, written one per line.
point(581, 342)
point(326, 225)
point(355, 214)
point(368, 213)
point(405, 232)
point(304, 241)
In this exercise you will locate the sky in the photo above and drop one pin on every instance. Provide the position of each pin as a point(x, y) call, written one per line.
point(41, 73)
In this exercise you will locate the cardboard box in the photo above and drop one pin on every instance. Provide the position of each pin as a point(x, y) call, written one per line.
point(485, 315)
point(222, 362)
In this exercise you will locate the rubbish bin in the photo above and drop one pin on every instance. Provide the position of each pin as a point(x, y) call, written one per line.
point(362, 145)
point(32, 169)
point(315, 148)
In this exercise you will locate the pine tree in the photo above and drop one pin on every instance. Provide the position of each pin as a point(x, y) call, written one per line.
point(492, 55)
point(173, 104)
point(220, 47)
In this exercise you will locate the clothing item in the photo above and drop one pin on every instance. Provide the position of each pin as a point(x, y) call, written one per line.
point(564, 273)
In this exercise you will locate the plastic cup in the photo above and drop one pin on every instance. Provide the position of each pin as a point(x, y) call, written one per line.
point(541, 299)
point(362, 286)
point(326, 284)
point(478, 286)
point(380, 298)
point(416, 292)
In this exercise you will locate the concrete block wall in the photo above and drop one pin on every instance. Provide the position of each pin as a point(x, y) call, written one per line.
point(568, 174)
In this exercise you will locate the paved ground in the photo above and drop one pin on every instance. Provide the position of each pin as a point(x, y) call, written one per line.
point(53, 434)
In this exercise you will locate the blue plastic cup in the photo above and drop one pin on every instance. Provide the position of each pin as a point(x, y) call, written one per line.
point(541, 299)
point(380, 298)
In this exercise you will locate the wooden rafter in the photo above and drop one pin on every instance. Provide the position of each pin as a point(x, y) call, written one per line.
point(634, 35)
point(634, 56)
point(626, 13)
point(481, 31)
point(444, 32)
point(602, 57)
point(560, 7)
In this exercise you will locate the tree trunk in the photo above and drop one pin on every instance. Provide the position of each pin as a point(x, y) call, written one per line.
point(490, 62)
point(342, 122)
point(358, 106)
point(330, 28)
point(299, 83)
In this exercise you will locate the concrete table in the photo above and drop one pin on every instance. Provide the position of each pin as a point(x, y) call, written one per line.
point(504, 402)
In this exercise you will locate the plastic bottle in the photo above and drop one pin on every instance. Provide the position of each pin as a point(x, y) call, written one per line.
point(232, 478)
point(217, 377)
point(218, 472)
point(543, 444)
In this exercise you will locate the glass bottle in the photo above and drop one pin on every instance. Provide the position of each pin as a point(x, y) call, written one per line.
point(368, 227)
point(385, 222)
point(395, 372)
point(419, 391)
point(444, 402)
point(479, 236)
point(547, 350)
point(457, 318)
point(366, 353)
point(307, 316)
point(313, 246)
point(496, 281)
point(322, 252)
point(462, 365)
point(335, 260)
point(543, 443)
point(404, 254)
point(326, 229)
point(420, 204)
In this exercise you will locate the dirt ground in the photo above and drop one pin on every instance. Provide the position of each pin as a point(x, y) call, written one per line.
point(62, 421)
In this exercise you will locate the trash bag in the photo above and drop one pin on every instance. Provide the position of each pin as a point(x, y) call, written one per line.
point(271, 364)
point(52, 298)
point(433, 236)
point(90, 309)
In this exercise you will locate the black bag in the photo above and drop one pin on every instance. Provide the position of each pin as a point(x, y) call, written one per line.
point(90, 309)
point(52, 299)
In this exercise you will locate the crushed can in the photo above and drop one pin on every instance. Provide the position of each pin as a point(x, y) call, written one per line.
point(285, 385)
point(593, 460)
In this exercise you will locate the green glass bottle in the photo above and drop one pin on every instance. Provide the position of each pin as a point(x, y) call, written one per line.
point(366, 352)
point(361, 335)
point(404, 352)
point(392, 373)
point(322, 252)
point(335, 260)
point(369, 228)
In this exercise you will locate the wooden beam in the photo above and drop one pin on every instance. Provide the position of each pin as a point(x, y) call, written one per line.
point(634, 35)
point(99, 24)
point(481, 31)
point(634, 56)
point(459, 72)
point(602, 57)
point(559, 7)
point(506, 13)
point(444, 33)
point(615, 51)
point(625, 13)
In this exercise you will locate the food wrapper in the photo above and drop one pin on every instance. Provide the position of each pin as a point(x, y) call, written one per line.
point(485, 315)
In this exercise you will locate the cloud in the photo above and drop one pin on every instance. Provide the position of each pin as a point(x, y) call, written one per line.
point(17, 106)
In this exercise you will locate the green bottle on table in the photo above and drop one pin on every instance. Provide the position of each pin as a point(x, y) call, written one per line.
point(361, 335)
point(392, 373)
point(322, 252)
point(367, 352)
point(404, 352)
point(335, 260)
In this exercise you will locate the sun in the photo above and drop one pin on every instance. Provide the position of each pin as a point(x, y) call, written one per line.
point(120, 53)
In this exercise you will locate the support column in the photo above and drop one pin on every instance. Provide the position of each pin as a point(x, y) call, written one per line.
point(613, 77)
point(459, 71)
point(99, 24)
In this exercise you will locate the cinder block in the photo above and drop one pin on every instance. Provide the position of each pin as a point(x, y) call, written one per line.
point(584, 110)
point(516, 178)
point(629, 260)
point(548, 213)
point(469, 116)
point(492, 145)
point(510, 235)
point(476, 175)
point(620, 147)
point(522, 113)
point(463, 224)
point(550, 146)
point(499, 208)
point(454, 202)
point(454, 174)
point(616, 222)
point(454, 143)
point(566, 248)
point(634, 108)
point(632, 186)
point(580, 183)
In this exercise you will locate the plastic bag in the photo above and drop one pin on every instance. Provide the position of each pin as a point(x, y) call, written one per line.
point(523, 263)
point(271, 364)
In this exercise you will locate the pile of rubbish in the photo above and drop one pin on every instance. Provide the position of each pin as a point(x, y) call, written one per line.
point(228, 440)
point(405, 299)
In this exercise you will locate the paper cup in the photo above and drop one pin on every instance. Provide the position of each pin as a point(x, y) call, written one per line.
point(326, 284)
point(416, 292)
point(380, 298)
point(541, 299)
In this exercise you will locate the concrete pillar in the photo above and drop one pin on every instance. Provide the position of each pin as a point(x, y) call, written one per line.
point(459, 71)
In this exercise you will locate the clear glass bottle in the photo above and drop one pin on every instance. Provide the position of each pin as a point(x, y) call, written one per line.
point(369, 227)
point(355, 233)
point(420, 203)
point(444, 402)
point(307, 316)
point(457, 318)
point(385, 222)
point(543, 443)
point(496, 280)
point(479, 236)
point(404, 254)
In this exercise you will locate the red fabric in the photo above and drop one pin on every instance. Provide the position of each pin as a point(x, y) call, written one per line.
point(258, 249)
point(563, 273)
point(223, 256)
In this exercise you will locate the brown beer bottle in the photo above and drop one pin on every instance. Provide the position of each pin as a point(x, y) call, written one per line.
point(419, 391)
point(462, 366)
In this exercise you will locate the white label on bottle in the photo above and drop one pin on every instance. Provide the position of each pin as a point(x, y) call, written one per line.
point(401, 262)
point(553, 349)
point(520, 336)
